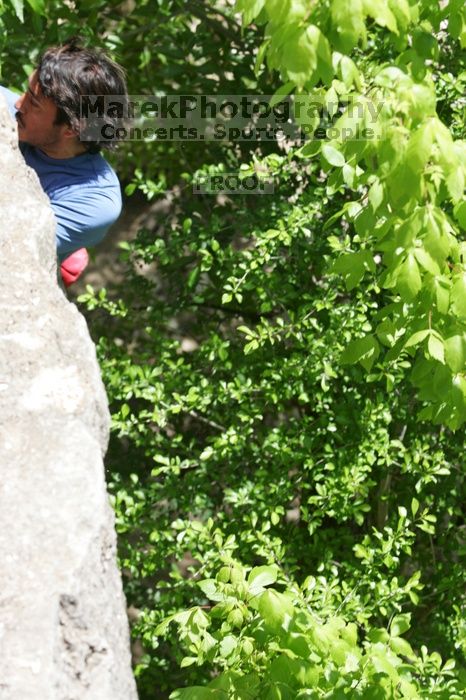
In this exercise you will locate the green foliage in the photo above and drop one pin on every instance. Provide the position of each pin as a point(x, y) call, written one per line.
point(255, 441)
point(406, 170)
point(286, 373)
point(272, 644)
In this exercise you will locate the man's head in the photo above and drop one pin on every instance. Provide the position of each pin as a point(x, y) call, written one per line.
point(49, 112)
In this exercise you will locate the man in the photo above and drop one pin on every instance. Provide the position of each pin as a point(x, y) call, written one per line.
point(82, 187)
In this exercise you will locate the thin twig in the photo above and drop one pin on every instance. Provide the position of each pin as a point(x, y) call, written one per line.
point(208, 422)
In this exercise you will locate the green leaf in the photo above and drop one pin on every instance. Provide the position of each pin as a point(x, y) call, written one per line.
point(436, 348)
point(181, 618)
point(383, 664)
point(338, 651)
point(250, 9)
point(378, 636)
point(376, 195)
point(349, 72)
point(206, 453)
point(455, 180)
point(228, 645)
point(425, 44)
point(18, 6)
point(419, 147)
point(437, 240)
point(282, 12)
point(131, 188)
point(274, 607)
point(353, 267)
point(381, 14)
point(417, 338)
point(455, 21)
point(299, 57)
point(260, 56)
point(402, 11)
point(349, 175)
point(458, 296)
point(401, 646)
point(310, 149)
point(400, 624)
point(260, 577)
point(347, 210)
point(364, 223)
point(324, 53)
point(364, 350)
point(408, 278)
point(450, 161)
point(209, 587)
point(404, 184)
point(333, 156)
point(426, 261)
point(460, 214)
point(348, 23)
point(163, 626)
point(442, 294)
point(323, 638)
point(38, 6)
point(455, 352)
point(282, 91)
point(350, 634)
point(247, 331)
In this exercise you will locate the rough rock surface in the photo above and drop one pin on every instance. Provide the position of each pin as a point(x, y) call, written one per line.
point(63, 624)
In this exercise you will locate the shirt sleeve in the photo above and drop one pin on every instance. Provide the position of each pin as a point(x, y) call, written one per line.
point(84, 217)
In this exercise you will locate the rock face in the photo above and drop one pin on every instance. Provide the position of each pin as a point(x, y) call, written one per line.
point(63, 625)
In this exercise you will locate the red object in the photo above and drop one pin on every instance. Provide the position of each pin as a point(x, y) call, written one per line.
point(73, 266)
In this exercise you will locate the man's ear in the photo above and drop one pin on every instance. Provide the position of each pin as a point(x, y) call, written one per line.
point(69, 132)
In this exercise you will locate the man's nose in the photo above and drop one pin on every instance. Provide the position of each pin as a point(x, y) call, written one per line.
point(20, 102)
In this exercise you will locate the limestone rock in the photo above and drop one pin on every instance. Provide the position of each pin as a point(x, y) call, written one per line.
point(63, 624)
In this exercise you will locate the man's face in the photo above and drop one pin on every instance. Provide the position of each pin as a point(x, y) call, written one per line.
point(36, 116)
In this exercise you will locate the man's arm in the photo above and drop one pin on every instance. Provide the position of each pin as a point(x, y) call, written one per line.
point(83, 217)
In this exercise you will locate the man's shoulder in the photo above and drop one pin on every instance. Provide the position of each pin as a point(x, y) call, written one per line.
point(92, 171)
point(102, 168)
point(89, 171)
point(90, 184)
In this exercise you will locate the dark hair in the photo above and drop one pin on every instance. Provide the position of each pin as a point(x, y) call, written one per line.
point(67, 73)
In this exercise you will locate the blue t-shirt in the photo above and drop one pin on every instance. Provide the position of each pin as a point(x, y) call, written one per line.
point(84, 192)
